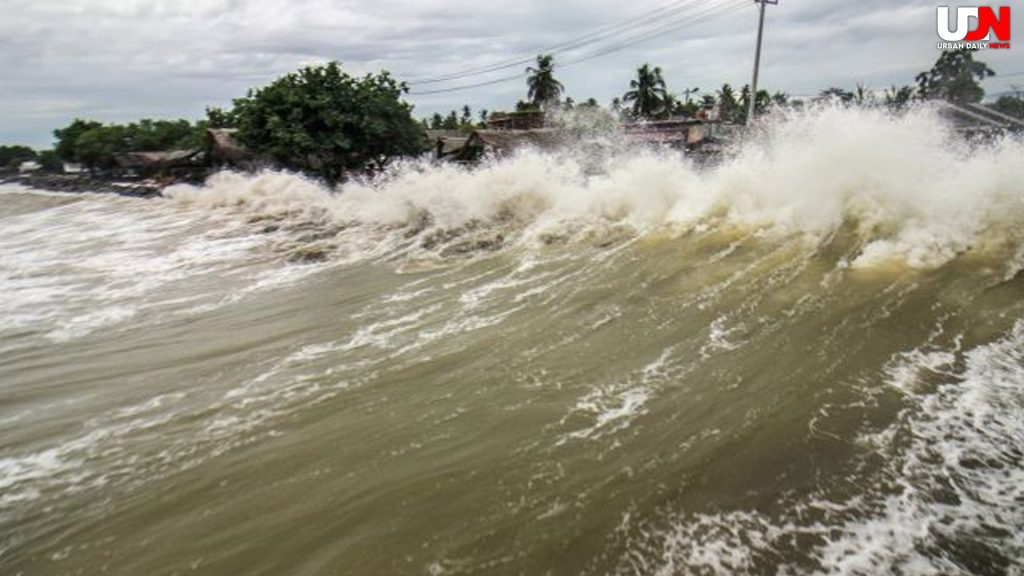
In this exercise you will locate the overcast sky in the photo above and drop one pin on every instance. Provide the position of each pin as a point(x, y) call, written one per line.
point(120, 60)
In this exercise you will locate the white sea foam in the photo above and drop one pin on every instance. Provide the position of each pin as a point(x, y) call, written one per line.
point(955, 487)
point(914, 194)
point(612, 408)
point(962, 477)
point(71, 269)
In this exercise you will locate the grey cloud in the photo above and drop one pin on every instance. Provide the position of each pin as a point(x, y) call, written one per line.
point(116, 60)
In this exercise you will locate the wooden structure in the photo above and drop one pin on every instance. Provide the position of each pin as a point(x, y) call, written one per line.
point(530, 120)
point(178, 163)
point(223, 150)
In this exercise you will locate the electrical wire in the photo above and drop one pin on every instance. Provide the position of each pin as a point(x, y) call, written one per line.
point(663, 28)
point(598, 35)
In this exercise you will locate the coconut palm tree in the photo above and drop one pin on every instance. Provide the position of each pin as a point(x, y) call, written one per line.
point(543, 87)
point(647, 93)
point(728, 105)
point(899, 98)
point(764, 100)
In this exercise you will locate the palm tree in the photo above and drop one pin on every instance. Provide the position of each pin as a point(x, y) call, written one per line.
point(543, 87)
point(863, 96)
point(728, 106)
point(899, 98)
point(761, 104)
point(839, 95)
point(647, 93)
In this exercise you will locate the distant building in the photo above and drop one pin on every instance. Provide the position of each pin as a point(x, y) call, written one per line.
point(446, 142)
point(504, 142)
point(222, 149)
point(530, 120)
point(149, 164)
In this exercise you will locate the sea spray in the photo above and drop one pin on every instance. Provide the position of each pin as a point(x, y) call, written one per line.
point(912, 189)
point(803, 360)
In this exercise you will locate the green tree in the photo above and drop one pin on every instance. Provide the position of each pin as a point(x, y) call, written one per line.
point(728, 105)
point(321, 120)
point(864, 96)
point(13, 156)
point(219, 118)
point(899, 98)
point(835, 94)
point(50, 162)
point(954, 78)
point(67, 138)
point(543, 88)
point(158, 135)
point(761, 105)
point(522, 106)
point(97, 148)
point(648, 94)
point(97, 145)
point(1011, 104)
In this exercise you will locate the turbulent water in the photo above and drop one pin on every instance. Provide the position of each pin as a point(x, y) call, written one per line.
point(807, 359)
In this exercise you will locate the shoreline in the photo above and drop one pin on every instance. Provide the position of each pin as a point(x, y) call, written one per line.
point(76, 184)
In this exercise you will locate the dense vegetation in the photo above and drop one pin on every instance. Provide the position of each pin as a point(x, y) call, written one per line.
point(96, 145)
point(324, 121)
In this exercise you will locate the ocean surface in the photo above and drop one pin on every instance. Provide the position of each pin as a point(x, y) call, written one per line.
point(805, 359)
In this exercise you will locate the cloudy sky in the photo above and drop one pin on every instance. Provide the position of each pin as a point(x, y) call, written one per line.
point(120, 60)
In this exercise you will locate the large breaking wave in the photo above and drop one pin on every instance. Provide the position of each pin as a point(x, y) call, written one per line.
point(913, 189)
point(805, 358)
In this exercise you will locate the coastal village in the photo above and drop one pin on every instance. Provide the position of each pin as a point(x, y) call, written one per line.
point(139, 159)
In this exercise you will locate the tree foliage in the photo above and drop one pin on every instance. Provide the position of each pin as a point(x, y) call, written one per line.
point(543, 89)
point(898, 99)
point(648, 94)
point(954, 78)
point(456, 121)
point(1011, 104)
point(96, 145)
point(324, 121)
point(49, 161)
point(67, 138)
point(13, 156)
point(728, 104)
point(761, 104)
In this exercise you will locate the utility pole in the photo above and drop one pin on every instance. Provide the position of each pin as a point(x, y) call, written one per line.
point(752, 105)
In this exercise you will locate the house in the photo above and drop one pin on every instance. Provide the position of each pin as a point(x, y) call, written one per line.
point(528, 120)
point(678, 133)
point(446, 142)
point(222, 149)
point(504, 142)
point(149, 164)
point(978, 122)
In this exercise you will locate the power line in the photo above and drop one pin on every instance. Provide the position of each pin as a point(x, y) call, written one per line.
point(594, 36)
point(657, 31)
point(661, 31)
point(655, 19)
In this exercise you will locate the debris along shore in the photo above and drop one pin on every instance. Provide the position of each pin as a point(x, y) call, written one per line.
point(81, 184)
